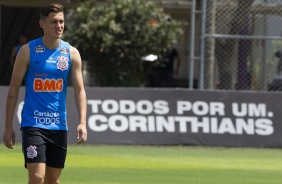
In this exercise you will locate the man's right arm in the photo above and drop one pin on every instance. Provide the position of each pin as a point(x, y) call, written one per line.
point(19, 70)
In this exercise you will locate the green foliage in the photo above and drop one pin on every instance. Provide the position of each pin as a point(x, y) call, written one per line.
point(113, 37)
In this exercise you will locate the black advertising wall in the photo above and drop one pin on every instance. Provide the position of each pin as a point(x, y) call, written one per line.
point(173, 117)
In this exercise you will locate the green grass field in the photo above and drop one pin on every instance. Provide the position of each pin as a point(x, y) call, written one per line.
point(99, 164)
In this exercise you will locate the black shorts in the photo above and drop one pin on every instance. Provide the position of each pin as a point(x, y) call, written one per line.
point(44, 146)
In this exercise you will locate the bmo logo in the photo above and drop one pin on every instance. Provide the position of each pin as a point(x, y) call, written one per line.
point(47, 85)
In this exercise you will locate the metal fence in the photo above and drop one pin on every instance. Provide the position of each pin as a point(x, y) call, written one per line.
point(241, 44)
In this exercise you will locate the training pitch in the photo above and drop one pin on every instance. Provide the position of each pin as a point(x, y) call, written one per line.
point(105, 164)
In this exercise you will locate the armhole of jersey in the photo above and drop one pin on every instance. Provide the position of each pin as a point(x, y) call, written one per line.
point(30, 44)
point(69, 47)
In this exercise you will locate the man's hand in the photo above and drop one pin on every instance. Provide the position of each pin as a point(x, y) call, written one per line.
point(81, 133)
point(9, 137)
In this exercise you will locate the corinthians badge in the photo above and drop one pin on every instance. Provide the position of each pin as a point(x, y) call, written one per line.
point(62, 63)
point(31, 152)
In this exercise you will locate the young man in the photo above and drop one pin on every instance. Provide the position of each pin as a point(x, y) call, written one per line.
point(44, 65)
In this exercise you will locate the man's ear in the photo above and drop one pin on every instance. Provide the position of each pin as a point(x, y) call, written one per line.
point(41, 23)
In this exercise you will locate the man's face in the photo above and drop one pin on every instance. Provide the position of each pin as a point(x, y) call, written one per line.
point(53, 26)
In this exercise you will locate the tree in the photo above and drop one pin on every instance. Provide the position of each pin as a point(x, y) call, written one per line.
point(113, 36)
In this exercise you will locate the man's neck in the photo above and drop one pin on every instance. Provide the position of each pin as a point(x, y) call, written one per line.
point(51, 43)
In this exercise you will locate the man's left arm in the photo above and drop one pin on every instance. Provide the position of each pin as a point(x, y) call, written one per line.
point(80, 95)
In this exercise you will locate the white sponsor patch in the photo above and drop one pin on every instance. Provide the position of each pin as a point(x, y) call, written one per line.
point(64, 50)
point(39, 49)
